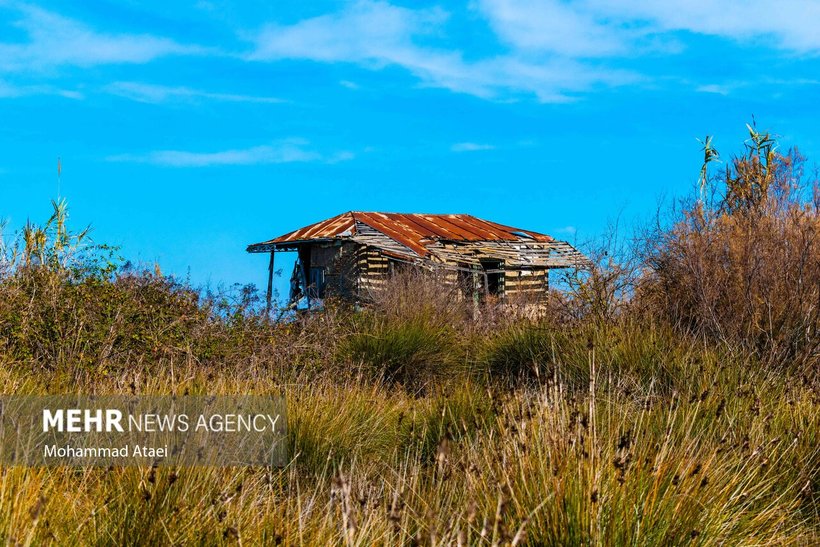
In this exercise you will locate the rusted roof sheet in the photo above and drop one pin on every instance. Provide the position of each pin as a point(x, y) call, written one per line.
point(327, 229)
point(412, 230)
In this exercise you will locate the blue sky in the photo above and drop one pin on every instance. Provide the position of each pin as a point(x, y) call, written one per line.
point(189, 129)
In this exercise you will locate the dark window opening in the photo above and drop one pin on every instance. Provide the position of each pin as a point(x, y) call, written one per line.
point(296, 283)
point(493, 276)
point(316, 282)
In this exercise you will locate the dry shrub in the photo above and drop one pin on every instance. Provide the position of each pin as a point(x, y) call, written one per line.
point(744, 266)
point(69, 308)
point(418, 293)
point(600, 292)
point(52, 318)
point(65, 301)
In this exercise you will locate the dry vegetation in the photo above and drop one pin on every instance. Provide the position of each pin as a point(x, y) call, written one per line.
point(671, 399)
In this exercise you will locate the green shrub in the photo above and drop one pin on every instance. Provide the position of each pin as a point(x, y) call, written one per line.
point(530, 352)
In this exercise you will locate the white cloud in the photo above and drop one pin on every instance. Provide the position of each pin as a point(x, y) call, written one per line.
point(339, 157)
point(470, 147)
point(69, 94)
point(288, 151)
point(553, 50)
point(151, 93)
point(603, 28)
point(55, 41)
point(717, 89)
point(790, 24)
point(375, 35)
point(569, 230)
point(543, 34)
point(368, 32)
point(11, 91)
point(554, 26)
point(762, 85)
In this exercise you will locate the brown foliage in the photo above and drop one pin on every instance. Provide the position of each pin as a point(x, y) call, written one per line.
point(744, 267)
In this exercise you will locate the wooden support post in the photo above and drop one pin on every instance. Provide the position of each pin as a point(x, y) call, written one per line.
point(306, 284)
point(476, 295)
point(269, 294)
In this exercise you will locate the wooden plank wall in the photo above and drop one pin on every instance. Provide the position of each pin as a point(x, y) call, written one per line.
point(526, 282)
point(372, 269)
point(367, 270)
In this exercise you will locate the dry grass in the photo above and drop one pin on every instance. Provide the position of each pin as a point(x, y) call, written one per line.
point(729, 459)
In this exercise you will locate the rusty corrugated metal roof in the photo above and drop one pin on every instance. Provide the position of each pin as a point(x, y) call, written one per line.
point(413, 230)
point(334, 227)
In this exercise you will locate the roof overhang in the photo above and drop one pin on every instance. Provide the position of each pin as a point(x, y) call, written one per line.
point(267, 246)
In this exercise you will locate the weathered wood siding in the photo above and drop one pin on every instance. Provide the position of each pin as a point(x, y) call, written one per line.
point(526, 282)
point(358, 271)
point(339, 262)
point(371, 270)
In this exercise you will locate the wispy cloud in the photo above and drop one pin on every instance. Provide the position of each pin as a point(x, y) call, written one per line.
point(568, 230)
point(12, 91)
point(470, 147)
point(54, 40)
point(554, 26)
point(605, 27)
point(552, 49)
point(288, 151)
point(763, 84)
point(789, 24)
point(367, 32)
point(716, 89)
point(151, 93)
point(375, 35)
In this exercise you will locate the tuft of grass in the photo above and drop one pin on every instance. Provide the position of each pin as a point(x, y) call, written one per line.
point(527, 352)
point(413, 352)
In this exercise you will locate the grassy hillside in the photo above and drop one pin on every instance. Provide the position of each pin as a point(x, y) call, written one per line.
point(670, 396)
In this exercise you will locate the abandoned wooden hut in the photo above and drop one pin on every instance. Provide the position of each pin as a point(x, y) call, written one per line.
point(353, 254)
